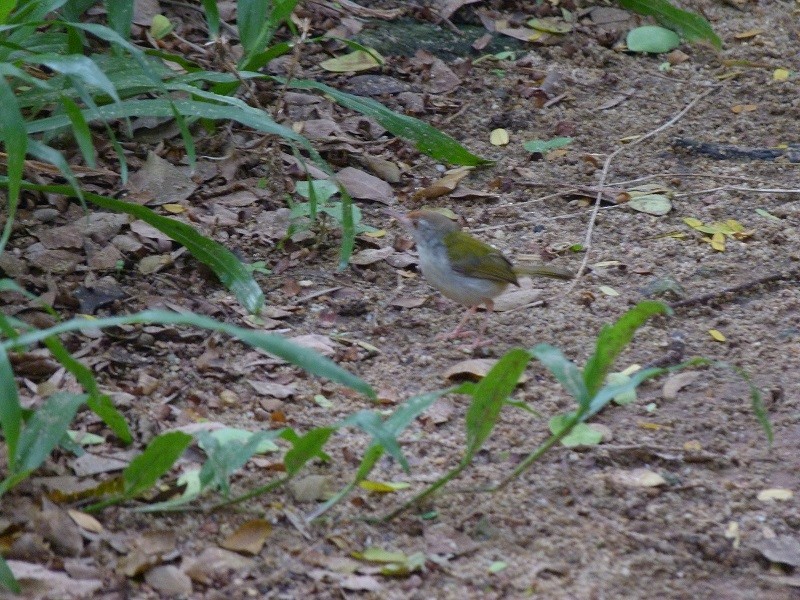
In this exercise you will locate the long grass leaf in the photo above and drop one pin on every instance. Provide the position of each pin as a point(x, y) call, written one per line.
point(304, 358)
point(15, 140)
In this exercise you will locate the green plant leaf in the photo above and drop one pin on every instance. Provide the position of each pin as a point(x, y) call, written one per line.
point(652, 39)
point(691, 26)
point(100, 404)
point(544, 146)
point(489, 396)
point(564, 370)
point(297, 355)
point(15, 140)
point(609, 392)
point(10, 409)
point(426, 138)
point(612, 340)
point(156, 459)
point(304, 448)
point(226, 454)
point(78, 66)
point(6, 576)
point(45, 429)
point(395, 424)
point(211, 12)
point(80, 130)
point(580, 434)
point(120, 16)
point(371, 422)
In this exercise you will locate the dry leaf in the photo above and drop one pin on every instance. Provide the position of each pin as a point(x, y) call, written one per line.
point(84, 521)
point(364, 186)
point(638, 478)
point(675, 383)
point(249, 538)
point(443, 186)
point(371, 256)
point(498, 137)
point(213, 563)
point(475, 369)
point(771, 494)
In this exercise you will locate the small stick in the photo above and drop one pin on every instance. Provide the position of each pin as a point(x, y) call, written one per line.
point(702, 299)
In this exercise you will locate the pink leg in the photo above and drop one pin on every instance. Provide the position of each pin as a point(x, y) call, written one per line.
point(457, 331)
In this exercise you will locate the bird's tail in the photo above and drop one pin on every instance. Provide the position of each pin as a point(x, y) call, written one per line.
point(538, 270)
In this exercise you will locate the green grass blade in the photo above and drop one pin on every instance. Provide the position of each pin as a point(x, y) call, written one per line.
point(612, 340)
point(395, 424)
point(7, 577)
point(427, 138)
point(212, 17)
point(15, 140)
point(10, 409)
point(564, 370)
point(305, 448)
point(156, 459)
point(304, 358)
point(120, 16)
point(80, 67)
point(690, 25)
point(489, 396)
point(80, 129)
point(371, 422)
point(45, 429)
point(99, 403)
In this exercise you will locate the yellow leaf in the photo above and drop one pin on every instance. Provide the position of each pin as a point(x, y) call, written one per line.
point(750, 33)
point(717, 335)
point(355, 61)
point(175, 209)
point(692, 222)
point(609, 291)
point(498, 137)
point(384, 487)
point(740, 108)
point(780, 74)
point(718, 242)
point(692, 446)
point(375, 234)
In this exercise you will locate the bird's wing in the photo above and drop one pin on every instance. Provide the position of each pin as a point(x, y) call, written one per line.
point(470, 256)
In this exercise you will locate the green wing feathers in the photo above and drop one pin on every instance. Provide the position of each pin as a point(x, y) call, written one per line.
point(472, 257)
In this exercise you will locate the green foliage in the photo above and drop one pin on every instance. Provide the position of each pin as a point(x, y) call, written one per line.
point(689, 25)
point(542, 146)
point(7, 577)
point(587, 386)
point(652, 39)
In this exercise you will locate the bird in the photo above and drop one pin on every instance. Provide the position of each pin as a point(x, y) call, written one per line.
point(462, 267)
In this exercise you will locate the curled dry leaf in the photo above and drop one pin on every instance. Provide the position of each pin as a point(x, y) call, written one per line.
point(443, 186)
point(213, 563)
point(475, 369)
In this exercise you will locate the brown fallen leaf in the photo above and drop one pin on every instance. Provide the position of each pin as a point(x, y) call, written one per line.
point(249, 538)
point(364, 186)
point(475, 369)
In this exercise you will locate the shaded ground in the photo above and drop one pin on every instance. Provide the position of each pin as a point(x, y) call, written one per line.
point(568, 528)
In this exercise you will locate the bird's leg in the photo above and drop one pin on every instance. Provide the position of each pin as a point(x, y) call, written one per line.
point(457, 331)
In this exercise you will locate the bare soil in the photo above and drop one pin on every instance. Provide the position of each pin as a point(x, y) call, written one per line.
point(567, 528)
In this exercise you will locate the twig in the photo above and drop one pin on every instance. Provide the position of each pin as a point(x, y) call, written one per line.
point(702, 299)
point(604, 175)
